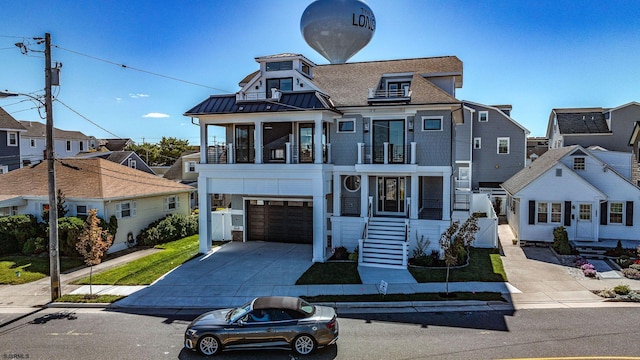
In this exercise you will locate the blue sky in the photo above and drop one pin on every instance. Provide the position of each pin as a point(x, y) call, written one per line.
point(534, 55)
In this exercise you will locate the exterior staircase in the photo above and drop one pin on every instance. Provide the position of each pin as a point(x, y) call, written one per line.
point(384, 244)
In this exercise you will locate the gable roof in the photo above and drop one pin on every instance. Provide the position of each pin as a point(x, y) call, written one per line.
point(588, 121)
point(175, 171)
point(499, 108)
point(635, 134)
point(348, 84)
point(7, 122)
point(88, 179)
point(39, 130)
point(527, 175)
point(289, 101)
point(116, 144)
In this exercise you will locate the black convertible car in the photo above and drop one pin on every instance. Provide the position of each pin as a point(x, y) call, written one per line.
point(265, 322)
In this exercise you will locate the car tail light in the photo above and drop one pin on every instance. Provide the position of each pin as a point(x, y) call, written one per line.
point(331, 324)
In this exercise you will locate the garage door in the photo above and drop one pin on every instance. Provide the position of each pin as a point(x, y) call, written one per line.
point(280, 221)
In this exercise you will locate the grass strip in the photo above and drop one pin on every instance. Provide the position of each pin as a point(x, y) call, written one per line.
point(331, 273)
point(484, 265)
point(480, 296)
point(20, 269)
point(88, 299)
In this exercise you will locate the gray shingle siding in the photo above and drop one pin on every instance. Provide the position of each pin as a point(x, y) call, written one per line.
point(9, 155)
point(434, 148)
point(344, 149)
point(488, 165)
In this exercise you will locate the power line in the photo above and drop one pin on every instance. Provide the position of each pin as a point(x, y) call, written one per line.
point(86, 118)
point(140, 70)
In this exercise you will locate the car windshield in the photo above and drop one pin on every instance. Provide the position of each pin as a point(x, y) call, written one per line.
point(235, 314)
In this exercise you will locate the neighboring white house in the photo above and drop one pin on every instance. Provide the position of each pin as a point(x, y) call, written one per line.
point(593, 198)
point(65, 143)
point(135, 197)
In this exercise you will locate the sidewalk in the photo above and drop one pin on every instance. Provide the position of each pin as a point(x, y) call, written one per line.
point(536, 280)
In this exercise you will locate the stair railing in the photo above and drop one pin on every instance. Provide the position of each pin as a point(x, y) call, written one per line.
point(365, 229)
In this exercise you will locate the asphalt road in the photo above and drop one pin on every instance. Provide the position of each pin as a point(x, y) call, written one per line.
point(99, 334)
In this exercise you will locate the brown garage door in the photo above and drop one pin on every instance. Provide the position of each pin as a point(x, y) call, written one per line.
point(280, 221)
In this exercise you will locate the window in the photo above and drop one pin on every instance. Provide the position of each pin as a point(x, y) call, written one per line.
point(305, 135)
point(191, 166)
point(483, 116)
point(578, 163)
point(171, 203)
point(126, 209)
point(306, 69)
point(4, 169)
point(81, 144)
point(284, 84)
point(503, 145)
point(81, 210)
point(585, 212)
point(398, 88)
point(32, 143)
point(279, 65)
point(542, 212)
point(346, 126)
point(68, 145)
point(12, 138)
point(245, 150)
point(352, 183)
point(477, 143)
point(559, 172)
point(556, 212)
point(133, 164)
point(615, 213)
point(432, 123)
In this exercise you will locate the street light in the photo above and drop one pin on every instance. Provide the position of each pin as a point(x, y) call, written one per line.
point(54, 259)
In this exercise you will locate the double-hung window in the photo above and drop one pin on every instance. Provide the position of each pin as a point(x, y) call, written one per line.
point(503, 145)
point(126, 209)
point(549, 212)
point(477, 143)
point(615, 213)
point(543, 212)
point(12, 138)
point(483, 116)
point(171, 203)
point(68, 145)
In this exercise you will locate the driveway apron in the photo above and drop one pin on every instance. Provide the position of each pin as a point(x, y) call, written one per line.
point(228, 276)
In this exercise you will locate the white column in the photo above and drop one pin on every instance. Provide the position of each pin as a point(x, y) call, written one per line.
point(337, 194)
point(415, 197)
point(413, 152)
point(364, 194)
point(319, 220)
point(204, 144)
point(385, 152)
point(204, 217)
point(446, 196)
point(257, 142)
point(287, 152)
point(360, 152)
point(317, 142)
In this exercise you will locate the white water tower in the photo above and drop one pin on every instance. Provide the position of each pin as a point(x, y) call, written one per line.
point(337, 29)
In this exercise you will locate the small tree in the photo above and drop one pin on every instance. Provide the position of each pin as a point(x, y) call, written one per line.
point(62, 204)
point(447, 245)
point(93, 243)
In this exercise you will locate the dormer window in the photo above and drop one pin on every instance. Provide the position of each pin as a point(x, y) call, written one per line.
point(305, 68)
point(279, 65)
point(283, 84)
point(398, 88)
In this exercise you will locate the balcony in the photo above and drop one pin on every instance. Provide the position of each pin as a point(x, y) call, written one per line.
point(286, 154)
point(387, 153)
point(389, 95)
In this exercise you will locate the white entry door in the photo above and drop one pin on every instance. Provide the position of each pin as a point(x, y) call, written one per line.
point(584, 225)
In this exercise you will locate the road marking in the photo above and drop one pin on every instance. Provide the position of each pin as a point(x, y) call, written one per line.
point(70, 333)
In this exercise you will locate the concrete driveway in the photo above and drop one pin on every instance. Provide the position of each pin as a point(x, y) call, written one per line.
point(232, 274)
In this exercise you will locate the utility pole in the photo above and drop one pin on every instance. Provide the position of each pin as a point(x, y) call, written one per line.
point(54, 259)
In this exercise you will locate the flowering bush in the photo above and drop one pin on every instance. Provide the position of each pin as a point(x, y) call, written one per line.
point(588, 270)
point(587, 266)
point(581, 261)
point(631, 273)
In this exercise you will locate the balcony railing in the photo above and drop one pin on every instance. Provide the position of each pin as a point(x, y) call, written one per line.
point(389, 94)
point(461, 201)
point(430, 209)
point(387, 154)
point(350, 205)
point(288, 154)
point(463, 184)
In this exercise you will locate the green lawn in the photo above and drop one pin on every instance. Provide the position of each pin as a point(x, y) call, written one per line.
point(30, 268)
point(146, 270)
point(89, 299)
point(484, 265)
point(481, 296)
point(331, 273)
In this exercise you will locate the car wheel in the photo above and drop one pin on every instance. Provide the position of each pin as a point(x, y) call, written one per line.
point(304, 344)
point(208, 345)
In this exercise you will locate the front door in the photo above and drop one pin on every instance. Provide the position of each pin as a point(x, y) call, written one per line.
point(584, 225)
point(391, 195)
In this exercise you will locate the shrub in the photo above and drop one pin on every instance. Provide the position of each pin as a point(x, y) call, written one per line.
point(631, 273)
point(354, 255)
point(635, 266)
point(608, 293)
point(340, 253)
point(169, 228)
point(580, 261)
point(14, 232)
point(587, 266)
point(69, 228)
point(622, 289)
point(35, 246)
point(561, 241)
point(589, 272)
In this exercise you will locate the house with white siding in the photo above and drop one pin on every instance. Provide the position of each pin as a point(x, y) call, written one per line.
point(65, 143)
point(588, 191)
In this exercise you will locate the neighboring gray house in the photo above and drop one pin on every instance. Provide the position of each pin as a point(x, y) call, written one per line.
point(184, 172)
point(355, 155)
point(10, 134)
point(65, 143)
point(490, 148)
point(611, 129)
point(126, 158)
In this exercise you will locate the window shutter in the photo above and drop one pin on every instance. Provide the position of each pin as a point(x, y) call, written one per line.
point(186, 166)
point(166, 204)
point(177, 202)
point(133, 209)
point(532, 212)
point(629, 210)
point(567, 213)
point(604, 214)
point(118, 211)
